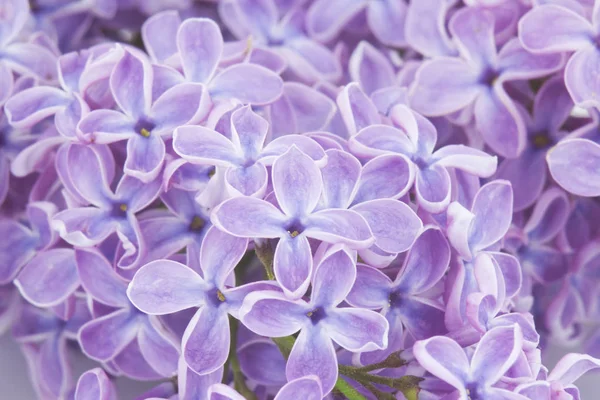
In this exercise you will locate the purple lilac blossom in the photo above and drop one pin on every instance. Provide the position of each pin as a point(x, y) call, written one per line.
point(301, 199)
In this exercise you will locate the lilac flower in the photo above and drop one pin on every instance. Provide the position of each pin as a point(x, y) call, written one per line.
point(308, 388)
point(307, 60)
point(372, 190)
point(527, 173)
point(555, 28)
point(574, 165)
point(45, 336)
point(298, 184)
point(416, 140)
point(533, 243)
point(109, 212)
point(494, 355)
point(199, 44)
point(66, 103)
point(206, 339)
point(95, 385)
point(326, 19)
point(20, 57)
point(319, 321)
point(136, 344)
point(445, 85)
point(24, 244)
point(405, 302)
point(244, 155)
point(142, 120)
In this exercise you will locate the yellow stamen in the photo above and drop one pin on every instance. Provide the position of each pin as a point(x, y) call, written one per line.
point(123, 207)
point(197, 223)
point(540, 141)
point(145, 132)
point(220, 296)
point(294, 234)
point(309, 314)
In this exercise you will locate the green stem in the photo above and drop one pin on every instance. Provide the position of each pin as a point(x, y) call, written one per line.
point(238, 377)
point(266, 255)
point(347, 390)
point(379, 394)
point(392, 361)
point(285, 345)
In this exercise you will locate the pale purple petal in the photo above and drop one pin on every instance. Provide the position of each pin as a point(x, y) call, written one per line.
point(385, 176)
point(467, 159)
point(297, 182)
point(206, 340)
point(49, 278)
point(492, 207)
point(580, 79)
point(356, 109)
point(339, 226)
point(313, 354)
point(393, 223)
point(201, 145)
point(219, 255)
point(131, 85)
point(433, 188)
point(293, 265)
point(200, 45)
point(496, 353)
point(248, 131)
point(103, 338)
point(444, 358)
point(159, 350)
point(165, 287)
point(552, 28)
point(249, 217)
point(91, 179)
point(145, 156)
point(182, 104)
point(326, 18)
point(248, 83)
point(272, 314)
point(99, 279)
point(107, 126)
point(575, 165)
point(30, 106)
point(386, 20)
point(159, 34)
point(371, 288)
point(571, 367)
point(370, 330)
point(95, 385)
point(340, 178)
point(306, 388)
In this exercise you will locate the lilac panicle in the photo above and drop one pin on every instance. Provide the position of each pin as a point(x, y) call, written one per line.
point(301, 199)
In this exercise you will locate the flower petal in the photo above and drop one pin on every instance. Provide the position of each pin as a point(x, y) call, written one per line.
point(496, 353)
point(326, 18)
point(306, 388)
point(293, 265)
point(385, 176)
point(99, 279)
point(272, 314)
point(492, 207)
point(182, 104)
point(340, 178)
point(552, 28)
point(219, 255)
point(104, 338)
point(164, 287)
point(95, 385)
point(30, 106)
point(249, 217)
point(145, 157)
point(371, 288)
point(393, 223)
point(248, 83)
point(131, 85)
point(371, 331)
point(467, 159)
point(313, 354)
point(339, 226)
point(200, 45)
point(200, 145)
point(444, 358)
point(49, 278)
point(159, 34)
point(297, 182)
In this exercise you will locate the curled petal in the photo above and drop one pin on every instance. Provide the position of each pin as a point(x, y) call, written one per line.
point(219, 255)
point(496, 353)
point(433, 188)
point(248, 83)
point(444, 358)
point(492, 207)
point(340, 226)
point(371, 331)
point(104, 338)
point(356, 109)
point(571, 367)
point(467, 159)
point(200, 145)
point(385, 176)
point(95, 385)
point(159, 34)
point(249, 217)
point(272, 314)
point(580, 78)
point(307, 388)
point(552, 28)
point(200, 45)
point(371, 288)
point(333, 279)
point(99, 279)
point(131, 85)
point(340, 178)
point(325, 18)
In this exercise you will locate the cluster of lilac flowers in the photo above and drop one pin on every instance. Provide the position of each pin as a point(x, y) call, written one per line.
point(301, 199)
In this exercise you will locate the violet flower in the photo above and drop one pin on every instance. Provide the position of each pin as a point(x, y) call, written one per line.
point(477, 79)
point(574, 165)
point(205, 342)
point(415, 138)
point(245, 156)
point(405, 302)
point(307, 60)
point(136, 344)
point(319, 321)
point(297, 184)
point(555, 29)
point(142, 120)
point(109, 211)
point(474, 379)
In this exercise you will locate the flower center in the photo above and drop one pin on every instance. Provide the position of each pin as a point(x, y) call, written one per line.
point(216, 297)
point(295, 228)
point(489, 77)
point(316, 315)
point(541, 140)
point(144, 127)
point(119, 210)
point(197, 224)
point(395, 300)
